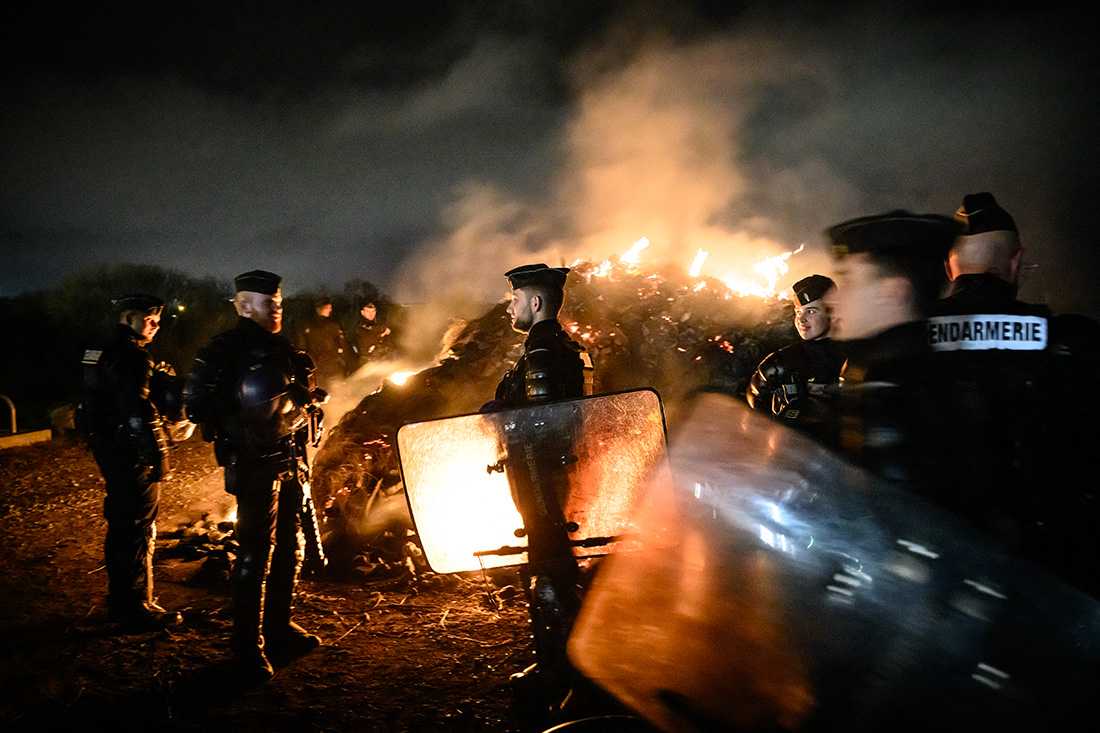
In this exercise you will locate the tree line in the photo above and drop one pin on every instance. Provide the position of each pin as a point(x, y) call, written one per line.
point(43, 334)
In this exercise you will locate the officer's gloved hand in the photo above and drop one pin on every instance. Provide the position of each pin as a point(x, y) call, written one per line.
point(319, 396)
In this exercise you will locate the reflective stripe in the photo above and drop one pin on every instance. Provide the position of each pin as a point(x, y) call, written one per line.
point(983, 332)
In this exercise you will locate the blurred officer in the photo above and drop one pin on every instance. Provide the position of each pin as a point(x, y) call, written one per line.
point(1010, 366)
point(552, 366)
point(251, 392)
point(788, 382)
point(889, 270)
point(323, 340)
point(129, 445)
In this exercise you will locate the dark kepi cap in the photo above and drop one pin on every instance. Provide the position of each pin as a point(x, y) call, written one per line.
point(139, 302)
point(980, 213)
point(539, 274)
point(897, 232)
point(258, 281)
point(811, 288)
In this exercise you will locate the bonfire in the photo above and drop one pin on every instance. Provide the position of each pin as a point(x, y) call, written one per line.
point(667, 329)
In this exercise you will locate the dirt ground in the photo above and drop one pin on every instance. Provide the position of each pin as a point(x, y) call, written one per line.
point(433, 653)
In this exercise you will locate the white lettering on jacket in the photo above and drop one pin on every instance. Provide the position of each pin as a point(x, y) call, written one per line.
point(981, 332)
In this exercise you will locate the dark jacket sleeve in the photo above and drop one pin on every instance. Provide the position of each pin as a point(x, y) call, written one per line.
point(203, 389)
point(139, 427)
point(767, 378)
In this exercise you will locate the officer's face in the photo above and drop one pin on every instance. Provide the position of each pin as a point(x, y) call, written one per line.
point(267, 310)
point(369, 312)
point(523, 315)
point(812, 319)
point(145, 326)
point(862, 302)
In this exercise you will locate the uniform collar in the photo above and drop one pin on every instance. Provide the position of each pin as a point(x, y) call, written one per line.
point(544, 328)
point(984, 285)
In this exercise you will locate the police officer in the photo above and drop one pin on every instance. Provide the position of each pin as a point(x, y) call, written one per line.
point(323, 339)
point(371, 335)
point(552, 366)
point(790, 381)
point(251, 392)
point(129, 445)
point(889, 271)
point(1010, 367)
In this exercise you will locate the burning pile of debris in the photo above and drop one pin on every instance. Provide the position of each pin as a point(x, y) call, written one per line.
point(667, 330)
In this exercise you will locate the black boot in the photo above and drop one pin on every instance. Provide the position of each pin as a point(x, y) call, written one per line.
point(285, 639)
point(248, 608)
point(133, 607)
point(144, 616)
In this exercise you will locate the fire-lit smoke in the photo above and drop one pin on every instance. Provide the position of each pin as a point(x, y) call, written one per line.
point(651, 155)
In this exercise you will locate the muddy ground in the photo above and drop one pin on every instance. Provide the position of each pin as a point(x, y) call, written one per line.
point(415, 654)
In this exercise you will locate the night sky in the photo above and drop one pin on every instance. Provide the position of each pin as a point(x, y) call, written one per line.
point(428, 146)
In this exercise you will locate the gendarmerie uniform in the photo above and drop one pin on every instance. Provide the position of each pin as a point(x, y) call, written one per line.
point(789, 382)
point(1023, 405)
point(323, 339)
point(249, 391)
point(551, 367)
point(885, 414)
point(130, 447)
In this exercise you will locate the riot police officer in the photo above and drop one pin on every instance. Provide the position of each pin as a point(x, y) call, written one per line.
point(889, 271)
point(552, 366)
point(789, 382)
point(252, 393)
point(324, 341)
point(1009, 366)
point(129, 444)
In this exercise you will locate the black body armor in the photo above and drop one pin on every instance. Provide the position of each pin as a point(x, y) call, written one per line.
point(551, 368)
point(789, 382)
point(117, 413)
point(251, 393)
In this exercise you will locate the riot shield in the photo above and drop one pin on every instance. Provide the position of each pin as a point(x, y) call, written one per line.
point(593, 455)
point(780, 588)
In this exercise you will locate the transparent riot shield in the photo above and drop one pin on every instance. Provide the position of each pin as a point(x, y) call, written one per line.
point(778, 587)
point(589, 456)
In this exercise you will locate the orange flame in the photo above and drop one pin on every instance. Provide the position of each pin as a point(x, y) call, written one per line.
point(697, 263)
point(771, 268)
point(762, 284)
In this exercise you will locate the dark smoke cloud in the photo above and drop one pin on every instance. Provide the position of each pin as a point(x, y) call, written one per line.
point(427, 153)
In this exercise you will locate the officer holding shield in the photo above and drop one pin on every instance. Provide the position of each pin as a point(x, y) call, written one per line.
point(252, 394)
point(552, 366)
